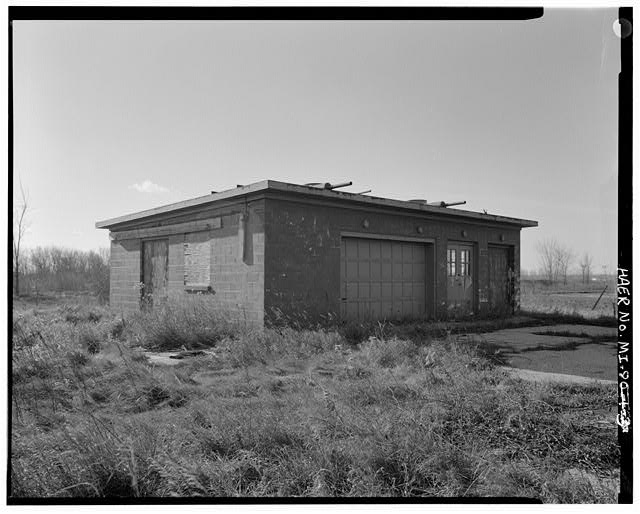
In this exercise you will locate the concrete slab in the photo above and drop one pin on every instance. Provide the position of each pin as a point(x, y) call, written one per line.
point(589, 330)
point(540, 376)
point(537, 349)
point(595, 360)
point(535, 338)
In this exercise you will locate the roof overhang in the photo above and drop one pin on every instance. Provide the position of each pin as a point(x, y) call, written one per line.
point(301, 191)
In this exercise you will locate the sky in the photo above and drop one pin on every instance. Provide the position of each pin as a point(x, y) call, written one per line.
point(515, 117)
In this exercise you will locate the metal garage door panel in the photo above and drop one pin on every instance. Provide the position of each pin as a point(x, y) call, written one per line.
point(352, 248)
point(374, 248)
point(382, 279)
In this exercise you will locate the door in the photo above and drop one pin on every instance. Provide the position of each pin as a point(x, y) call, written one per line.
point(382, 279)
point(501, 279)
point(155, 260)
point(460, 278)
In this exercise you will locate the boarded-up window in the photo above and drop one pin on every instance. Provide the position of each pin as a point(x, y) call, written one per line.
point(197, 260)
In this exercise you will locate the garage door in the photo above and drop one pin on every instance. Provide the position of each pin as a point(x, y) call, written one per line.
point(382, 279)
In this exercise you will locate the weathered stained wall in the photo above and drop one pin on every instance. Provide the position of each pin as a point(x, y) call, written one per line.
point(236, 260)
point(302, 258)
point(290, 261)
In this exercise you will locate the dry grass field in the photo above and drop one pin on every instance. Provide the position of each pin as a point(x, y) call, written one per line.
point(573, 298)
point(289, 413)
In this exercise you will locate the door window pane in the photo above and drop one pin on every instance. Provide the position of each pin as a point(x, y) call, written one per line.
point(465, 268)
point(451, 262)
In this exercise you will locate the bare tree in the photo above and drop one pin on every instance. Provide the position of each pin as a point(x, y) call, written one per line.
point(585, 266)
point(563, 258)
point(20, 224)
point(547, 251)
point(555, 260)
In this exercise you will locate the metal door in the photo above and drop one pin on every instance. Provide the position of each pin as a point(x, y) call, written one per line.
point(155, 260)
point(501, 279)
point(381, 279)
point(460, 278)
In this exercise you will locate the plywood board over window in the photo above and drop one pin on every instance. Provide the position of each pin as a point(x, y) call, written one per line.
point(197, 260)
point(155, 257)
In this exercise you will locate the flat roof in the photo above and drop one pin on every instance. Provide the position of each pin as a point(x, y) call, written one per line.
point(311, 191)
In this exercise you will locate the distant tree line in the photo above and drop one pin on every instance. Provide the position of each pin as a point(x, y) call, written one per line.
point(52, 268)
point(55, 269)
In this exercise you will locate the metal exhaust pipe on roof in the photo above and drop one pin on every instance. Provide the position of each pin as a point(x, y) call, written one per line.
point(446, 204)
point(363, 192)
point(328, 185)
point(336, 186)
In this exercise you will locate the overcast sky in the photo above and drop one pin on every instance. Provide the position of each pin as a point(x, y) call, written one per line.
point(518, 118)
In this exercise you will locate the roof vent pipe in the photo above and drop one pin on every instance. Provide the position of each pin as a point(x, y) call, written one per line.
point(336, 186)
point(328, 185)
point(446, 204)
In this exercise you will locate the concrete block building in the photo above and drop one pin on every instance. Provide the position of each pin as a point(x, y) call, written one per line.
point(273, 250)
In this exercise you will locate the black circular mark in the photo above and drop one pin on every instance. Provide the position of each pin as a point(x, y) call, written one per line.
point(626, 28)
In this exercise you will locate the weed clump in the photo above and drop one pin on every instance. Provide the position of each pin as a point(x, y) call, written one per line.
point(78, 314)
point(250, 347)
point(388, 353)
point(184, 322)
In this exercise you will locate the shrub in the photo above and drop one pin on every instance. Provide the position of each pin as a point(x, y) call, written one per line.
point(117, 328)
point(355, 333)
point(189, 322)
point(90, 339)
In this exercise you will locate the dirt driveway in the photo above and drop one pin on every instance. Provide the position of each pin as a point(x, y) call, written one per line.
point(583, 350)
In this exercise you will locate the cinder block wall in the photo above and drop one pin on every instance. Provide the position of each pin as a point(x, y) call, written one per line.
point(124, 293)
point(291, 262)
point(237, 281)
point(302, 258)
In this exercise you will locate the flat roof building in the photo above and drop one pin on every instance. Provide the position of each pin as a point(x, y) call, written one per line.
point(272, 250)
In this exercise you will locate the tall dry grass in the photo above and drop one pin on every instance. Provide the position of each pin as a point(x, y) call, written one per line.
point(190, 322)
point(283, 412)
